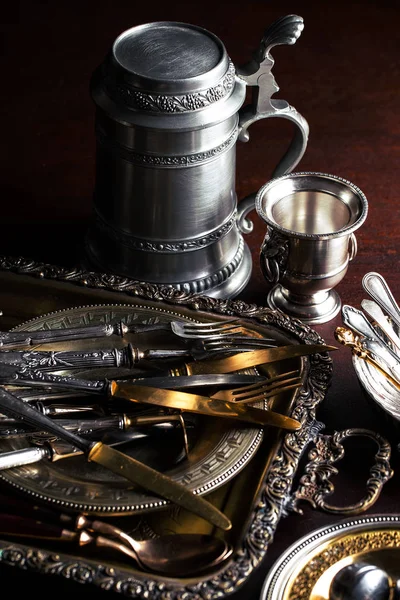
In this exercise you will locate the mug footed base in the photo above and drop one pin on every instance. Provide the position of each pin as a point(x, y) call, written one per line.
point(311, 309)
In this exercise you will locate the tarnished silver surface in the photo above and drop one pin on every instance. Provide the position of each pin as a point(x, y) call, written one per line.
point(311, 219)
point(167, 121)
point(266, 513)
point(83, 486)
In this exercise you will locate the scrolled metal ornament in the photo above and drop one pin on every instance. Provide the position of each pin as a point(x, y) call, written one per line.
point(315, 484)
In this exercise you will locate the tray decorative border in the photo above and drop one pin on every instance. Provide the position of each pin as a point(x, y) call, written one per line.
point(279, 480)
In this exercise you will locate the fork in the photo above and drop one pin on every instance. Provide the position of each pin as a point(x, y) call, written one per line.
point(126, 357)
point(25, 339)
point(261, 390)
point(204, 330)
point(214, 330)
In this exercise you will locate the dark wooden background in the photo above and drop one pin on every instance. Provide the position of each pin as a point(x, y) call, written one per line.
point(342, 75)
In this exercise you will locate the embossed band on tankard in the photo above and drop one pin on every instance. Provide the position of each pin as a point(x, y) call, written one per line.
point(168, 115)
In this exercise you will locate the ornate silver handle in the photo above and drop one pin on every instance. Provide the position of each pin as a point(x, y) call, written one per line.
point(358, 322)
point(378, 289)
point(314, 485)
point(273, 256)
point(257, 74)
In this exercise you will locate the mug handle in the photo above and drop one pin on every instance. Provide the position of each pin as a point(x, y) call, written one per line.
point(257, 73)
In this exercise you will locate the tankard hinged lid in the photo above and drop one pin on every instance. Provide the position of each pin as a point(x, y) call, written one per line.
point(169, 67)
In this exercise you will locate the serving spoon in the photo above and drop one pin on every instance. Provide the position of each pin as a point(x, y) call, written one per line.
point(181, 554)
point(172, 555)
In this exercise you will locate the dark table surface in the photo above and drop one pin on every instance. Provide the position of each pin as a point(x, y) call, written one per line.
point(342, 76)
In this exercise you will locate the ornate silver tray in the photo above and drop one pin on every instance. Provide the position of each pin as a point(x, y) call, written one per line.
point(255, 499)
point(217, 454)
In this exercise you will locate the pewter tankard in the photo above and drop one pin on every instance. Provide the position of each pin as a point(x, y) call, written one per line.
point(168, 115)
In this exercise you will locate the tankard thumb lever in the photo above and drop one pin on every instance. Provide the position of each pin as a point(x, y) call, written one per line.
point(258, 74)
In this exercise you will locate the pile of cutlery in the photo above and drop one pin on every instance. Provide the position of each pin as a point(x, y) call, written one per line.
point(206, 377)
point(374, 339)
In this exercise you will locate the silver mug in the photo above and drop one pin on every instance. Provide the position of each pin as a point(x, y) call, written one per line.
point(168, 115)
point(311, 219)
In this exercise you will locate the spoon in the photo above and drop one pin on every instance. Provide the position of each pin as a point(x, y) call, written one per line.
point(360, 581)
point(181, 554)
point(378, 289)
point(172, 555)
point(175, 555)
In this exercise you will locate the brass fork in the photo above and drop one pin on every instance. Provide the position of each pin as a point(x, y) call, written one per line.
point(261, 390)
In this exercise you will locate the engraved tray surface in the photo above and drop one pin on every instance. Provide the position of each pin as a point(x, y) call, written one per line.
point(306, 569)
point(254, 499)
point(218, 451)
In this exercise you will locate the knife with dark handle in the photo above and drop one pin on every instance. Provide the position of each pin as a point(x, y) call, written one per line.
point(219, 366)
point(25, 339)
point(34, 378)
point(12, 428)
point(129, 356)
point(61, 410)
point(117, 462)
point(56, 450)
point(21, 526)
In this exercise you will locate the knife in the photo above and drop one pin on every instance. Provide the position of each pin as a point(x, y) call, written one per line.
point(245, 360)
point(56, 450)
point(219, 366)
point(127, 390)
point(208, 406)
point(25, 339)
point(34, 378)
point(203, 405)
point(11, 428)
point(126, 357)
point(117, 462)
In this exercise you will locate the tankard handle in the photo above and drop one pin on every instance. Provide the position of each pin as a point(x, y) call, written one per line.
point(257, 73)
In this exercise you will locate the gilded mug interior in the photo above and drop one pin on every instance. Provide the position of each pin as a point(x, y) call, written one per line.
point(312, 204)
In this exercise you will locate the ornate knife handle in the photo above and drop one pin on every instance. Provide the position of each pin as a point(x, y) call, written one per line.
point(36, 378)
point(126, 357)
point(314, 485)
point(24, 339)
point(257, 73)
point(70, 359)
